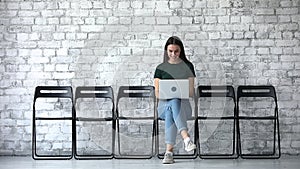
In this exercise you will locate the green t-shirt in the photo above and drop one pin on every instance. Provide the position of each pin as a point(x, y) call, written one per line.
point(182, 70)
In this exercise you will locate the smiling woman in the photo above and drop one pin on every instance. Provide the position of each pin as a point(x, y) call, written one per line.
point(176, 111)
point(173, 54)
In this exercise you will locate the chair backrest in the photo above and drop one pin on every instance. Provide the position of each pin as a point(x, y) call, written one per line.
point(218, 91)
point(135, 92)
point(94, 92)
point(256, 91)
point(53, 92)
point(59, 92)
point(215, 91)
point(251, 91)
point(97, 92)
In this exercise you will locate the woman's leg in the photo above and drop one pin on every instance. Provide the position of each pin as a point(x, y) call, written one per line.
point(175, 113)
point(181, 111)
point(179, 116)
point(170, 130)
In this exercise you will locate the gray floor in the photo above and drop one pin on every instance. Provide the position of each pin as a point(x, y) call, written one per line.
point(289, 162)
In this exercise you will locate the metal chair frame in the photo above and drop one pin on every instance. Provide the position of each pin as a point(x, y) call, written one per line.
point(135, 92)
point(260, 91)
point(220, 91)
point(96, 92)
point(51, 92)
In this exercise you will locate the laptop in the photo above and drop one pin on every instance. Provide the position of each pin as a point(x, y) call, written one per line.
point(175, 88)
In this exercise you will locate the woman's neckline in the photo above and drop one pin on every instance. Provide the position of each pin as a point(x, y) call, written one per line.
point(175, 63)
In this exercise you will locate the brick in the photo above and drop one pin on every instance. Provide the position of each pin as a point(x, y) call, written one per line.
point(212, 12)
point(142, 27)
point(200, 4)
point(98, 5)
point(43, 28)
point(86, 5)
point(139, 43)
point(22, 21)
point(67, 75)
point(149, 4)
point(223, 19)
point(123, 12)
point(52, 13)
point(125, 20)
point(62, 67)
point(287, 27)
point(214, 35)
point(100, 13)
point(148, 20)
point(72, 44)
point(123, 5)
point(213, 28)
point(189, 28)
point(28, 13)
point(38, 75)
point(239, 43)
point(287, 42)
point(75, 13)
point(163, 13)
point(264, 11)
point(18, 106)
point(289, 58)
point(175, 20)
point(92, 28)
point(48, 44)
point(287, 11)
point(175, 4)
point(210, 19)
point(39, 5)
point(262, 43)
point(162, 20)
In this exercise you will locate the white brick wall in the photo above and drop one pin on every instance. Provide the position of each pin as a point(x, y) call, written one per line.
point(86, 42)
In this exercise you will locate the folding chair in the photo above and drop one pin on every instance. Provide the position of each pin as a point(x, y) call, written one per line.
point(98, 112)
point(221, 120)
point(135, 118)
point(179, 153)
point(257, 138)
point(52, 92)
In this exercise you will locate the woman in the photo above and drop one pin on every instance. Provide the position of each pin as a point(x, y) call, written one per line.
point(175, 111)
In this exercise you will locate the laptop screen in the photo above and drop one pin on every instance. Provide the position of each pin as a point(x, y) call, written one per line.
point(175, 88)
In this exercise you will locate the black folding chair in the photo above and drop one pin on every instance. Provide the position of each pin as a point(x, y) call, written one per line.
point(226, 92)
point(134, 120)
point(258, 140)
point(59, 92)
point(103, 95)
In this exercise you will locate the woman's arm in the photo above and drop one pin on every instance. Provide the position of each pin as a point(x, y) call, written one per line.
point(156, 86)
point(191, 84)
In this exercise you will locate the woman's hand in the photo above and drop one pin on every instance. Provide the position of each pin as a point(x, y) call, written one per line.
point(156, 85)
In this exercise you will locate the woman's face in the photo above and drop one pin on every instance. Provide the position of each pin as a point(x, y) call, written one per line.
point(173, 53)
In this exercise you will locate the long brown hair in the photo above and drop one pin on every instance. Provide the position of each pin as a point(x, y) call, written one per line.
point(174, 40)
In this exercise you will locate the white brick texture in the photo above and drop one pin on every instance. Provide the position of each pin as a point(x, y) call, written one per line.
point(120, 42)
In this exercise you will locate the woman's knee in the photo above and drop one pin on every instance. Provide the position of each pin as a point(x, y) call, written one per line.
point(175, 101)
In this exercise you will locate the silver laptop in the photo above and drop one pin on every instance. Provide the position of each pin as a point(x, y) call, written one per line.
point(169, 89)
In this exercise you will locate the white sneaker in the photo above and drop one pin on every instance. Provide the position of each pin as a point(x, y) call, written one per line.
point(168, 159)
point(189, 146)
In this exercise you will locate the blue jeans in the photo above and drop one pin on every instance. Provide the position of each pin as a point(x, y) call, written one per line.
point(175, 112)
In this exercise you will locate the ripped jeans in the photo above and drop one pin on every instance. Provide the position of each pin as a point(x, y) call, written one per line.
point(175, 113)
